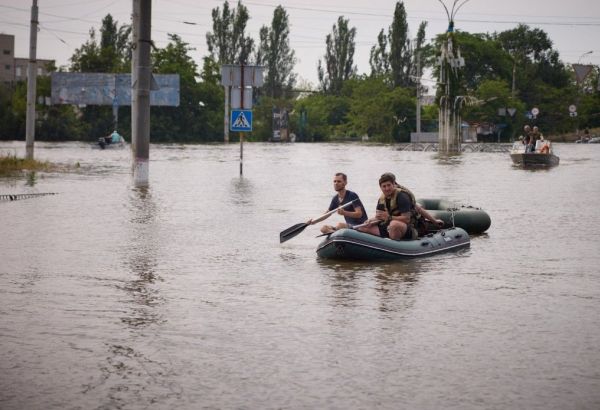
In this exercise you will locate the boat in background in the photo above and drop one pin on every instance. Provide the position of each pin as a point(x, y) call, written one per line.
point(543, 156)
point(471, 219)
point(111, 141)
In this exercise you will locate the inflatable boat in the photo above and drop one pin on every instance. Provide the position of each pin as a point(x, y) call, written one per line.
point(355, 245)
point(471, 219)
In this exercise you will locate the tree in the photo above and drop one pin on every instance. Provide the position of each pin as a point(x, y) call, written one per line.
point(339, 58)
point(400, 61)
point(379, 59)
point(211, 102)
point(400, 50)
point(526, 46)
point(180, 121)
point(326, 115)
point(275, 53)
point(112, 54)
point(370, 109)
point(419, 45)
point(227, 43)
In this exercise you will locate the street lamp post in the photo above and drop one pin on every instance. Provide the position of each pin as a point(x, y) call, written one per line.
point(581, 72)
point(584, 54)
point(450, 62)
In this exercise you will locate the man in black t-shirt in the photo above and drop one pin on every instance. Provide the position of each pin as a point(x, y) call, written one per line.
point(354, 214)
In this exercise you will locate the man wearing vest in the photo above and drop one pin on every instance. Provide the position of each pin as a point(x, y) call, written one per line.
point(354, 214)
point(398, 215)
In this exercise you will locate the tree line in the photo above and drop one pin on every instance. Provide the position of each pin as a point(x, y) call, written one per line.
point(517, 68)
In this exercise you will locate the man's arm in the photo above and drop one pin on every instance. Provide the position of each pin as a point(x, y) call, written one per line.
point(357, 213)
point(428, 216)
point(332, 206)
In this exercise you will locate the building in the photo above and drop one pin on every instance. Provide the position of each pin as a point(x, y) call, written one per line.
point(21, 68)
point(14, 69)
point(7, 59)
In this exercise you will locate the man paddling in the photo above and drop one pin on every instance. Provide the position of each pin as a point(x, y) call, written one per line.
point(354, 214)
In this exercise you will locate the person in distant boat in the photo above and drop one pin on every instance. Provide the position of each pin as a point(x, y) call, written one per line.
point(527, 139)
point(536, 136)
point(354, 214)
point(398, 215)
point(115, 137)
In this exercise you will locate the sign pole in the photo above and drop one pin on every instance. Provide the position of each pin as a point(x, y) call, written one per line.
point(241, 153)
point(241, 133)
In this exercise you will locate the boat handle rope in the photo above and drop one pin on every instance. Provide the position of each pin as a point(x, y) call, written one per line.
point(452, 212)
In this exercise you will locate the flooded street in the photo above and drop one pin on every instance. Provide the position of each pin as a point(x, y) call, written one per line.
point(181, 296)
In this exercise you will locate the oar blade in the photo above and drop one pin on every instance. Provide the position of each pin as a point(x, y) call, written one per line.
point(292, 231)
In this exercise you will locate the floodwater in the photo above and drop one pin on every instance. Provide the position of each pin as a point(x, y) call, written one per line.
point(181, 296)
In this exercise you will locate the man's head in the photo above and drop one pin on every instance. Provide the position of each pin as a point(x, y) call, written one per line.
point(535, 129)
point(387, 183)
point(527, 128)
point(339, 181)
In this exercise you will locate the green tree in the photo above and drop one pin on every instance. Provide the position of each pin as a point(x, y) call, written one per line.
point(371, 111)
point(325, 114)
point(275, 53)
point(525, 46)
point(176, 122)
point(379, 59)
point(400, 61)
point(227, 43)
point(13, 127)
point(112, 54)
point(400, 50)
point(211, 101)
point(339, 57)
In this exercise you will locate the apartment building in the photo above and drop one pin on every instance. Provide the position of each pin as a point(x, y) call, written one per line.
point(14, 69)
point(7, 59)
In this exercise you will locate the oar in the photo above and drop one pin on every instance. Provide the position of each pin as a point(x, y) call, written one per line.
point(355, 227)
point(292, 231)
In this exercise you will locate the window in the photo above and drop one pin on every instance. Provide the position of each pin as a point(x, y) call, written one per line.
point(6, 52)
point(18, 71)
point(7, 66)
point(40, 71)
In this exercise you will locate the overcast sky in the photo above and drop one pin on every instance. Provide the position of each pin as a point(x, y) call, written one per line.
point(572, 25)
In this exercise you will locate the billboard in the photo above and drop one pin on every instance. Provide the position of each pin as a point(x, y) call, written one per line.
point(111, 89)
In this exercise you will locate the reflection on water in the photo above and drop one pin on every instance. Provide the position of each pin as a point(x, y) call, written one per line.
point(140, 253)
point(449, 158)
point(179, 295)
point(241, 191)
point(392, 285)
point(31, 178)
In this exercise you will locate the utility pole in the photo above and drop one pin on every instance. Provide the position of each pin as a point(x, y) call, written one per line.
point(31, 83)
point(418, 92)
point(141, 90)
point(135, 22)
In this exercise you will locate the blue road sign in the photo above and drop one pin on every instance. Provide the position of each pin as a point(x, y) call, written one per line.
point(241, 120)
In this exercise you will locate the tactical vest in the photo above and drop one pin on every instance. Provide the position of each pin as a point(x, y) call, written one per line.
point(393, 210)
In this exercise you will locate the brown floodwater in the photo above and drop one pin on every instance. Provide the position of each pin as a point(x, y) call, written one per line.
point(180, 295)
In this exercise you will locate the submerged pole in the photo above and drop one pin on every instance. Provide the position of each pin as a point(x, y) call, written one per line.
point(142, 72)
point(418, 92)
point(31, 83)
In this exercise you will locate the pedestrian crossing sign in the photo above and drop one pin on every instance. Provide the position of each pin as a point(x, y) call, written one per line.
point(241, 120)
